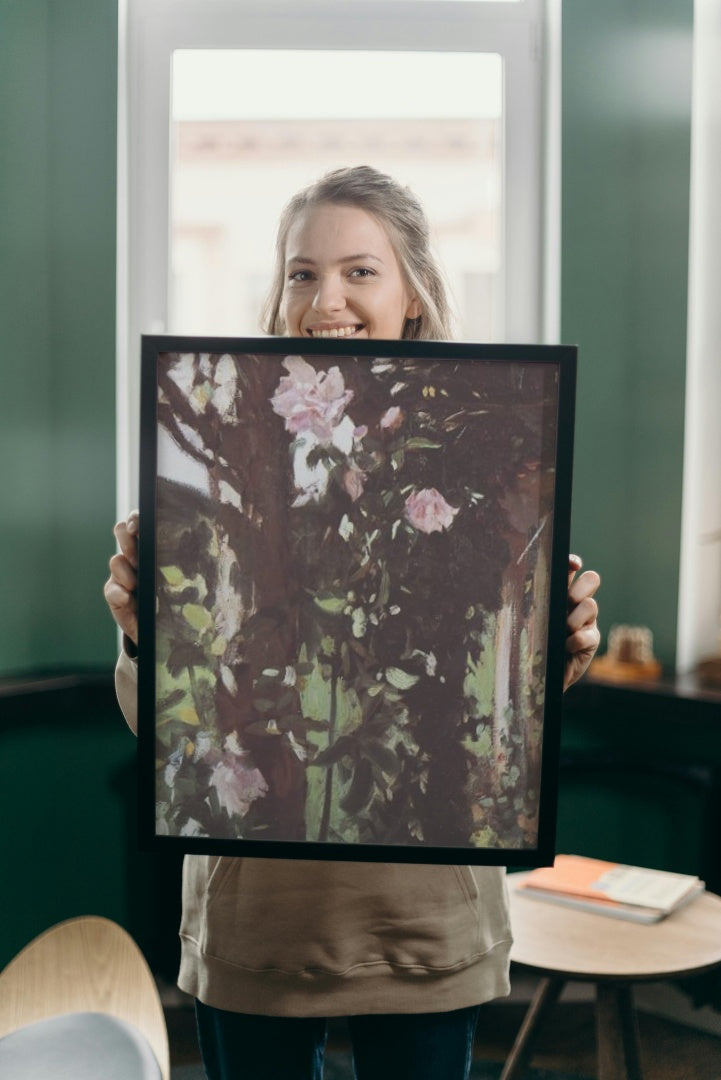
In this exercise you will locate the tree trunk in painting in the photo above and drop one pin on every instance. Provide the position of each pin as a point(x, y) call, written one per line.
point(247, 466)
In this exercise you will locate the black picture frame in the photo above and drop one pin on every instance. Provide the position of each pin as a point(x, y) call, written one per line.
point(353, 572)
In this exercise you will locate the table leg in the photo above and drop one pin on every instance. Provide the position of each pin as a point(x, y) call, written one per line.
point(617, 1033)
point(545, 997)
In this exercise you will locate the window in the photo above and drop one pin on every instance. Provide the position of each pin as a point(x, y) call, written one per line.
point(227, 107)
point(236, 157)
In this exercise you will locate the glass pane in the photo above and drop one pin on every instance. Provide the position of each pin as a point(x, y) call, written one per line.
point(250, 128)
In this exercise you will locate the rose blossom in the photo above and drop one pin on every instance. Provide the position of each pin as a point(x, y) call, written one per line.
point(353, 480)
point(237, 786)
point(428, 511)
point(392, 418)
point(309, 400)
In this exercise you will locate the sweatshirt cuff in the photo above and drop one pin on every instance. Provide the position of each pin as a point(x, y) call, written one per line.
point(130, 648)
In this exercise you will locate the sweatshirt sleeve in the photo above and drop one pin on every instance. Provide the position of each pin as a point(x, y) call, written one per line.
point(126, 688)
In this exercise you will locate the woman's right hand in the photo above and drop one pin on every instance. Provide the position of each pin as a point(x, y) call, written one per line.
point(121, 587)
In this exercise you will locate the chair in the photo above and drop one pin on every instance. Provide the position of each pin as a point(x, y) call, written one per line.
point(80, 1002)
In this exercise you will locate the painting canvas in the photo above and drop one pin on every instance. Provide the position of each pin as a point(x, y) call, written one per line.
point(353, 573)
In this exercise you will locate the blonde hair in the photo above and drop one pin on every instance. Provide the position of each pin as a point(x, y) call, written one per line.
point(403, 217)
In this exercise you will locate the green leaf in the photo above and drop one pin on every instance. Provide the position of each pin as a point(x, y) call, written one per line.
point(173, 575)
point(220, 644)
point(316, 455)
point(173, 698)
point(197, 616)
point(331, 603)
point(419, 443)
point(402, 680)
point(384, 588)
point(186, 714)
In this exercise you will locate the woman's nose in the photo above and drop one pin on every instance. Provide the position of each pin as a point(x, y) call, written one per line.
point(329, 296)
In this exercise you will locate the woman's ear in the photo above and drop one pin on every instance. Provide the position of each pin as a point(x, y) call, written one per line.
point(415, 309)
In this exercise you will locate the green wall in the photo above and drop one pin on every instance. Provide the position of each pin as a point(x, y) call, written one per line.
point(58, 71)
point(67, 762)
point(626, 145)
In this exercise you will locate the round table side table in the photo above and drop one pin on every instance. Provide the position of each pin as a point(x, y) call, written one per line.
point(564, 944)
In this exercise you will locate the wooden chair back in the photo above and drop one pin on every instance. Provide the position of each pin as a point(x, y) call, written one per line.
point(87, 964)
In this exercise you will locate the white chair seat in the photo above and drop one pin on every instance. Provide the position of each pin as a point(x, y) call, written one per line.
point(78, 1046)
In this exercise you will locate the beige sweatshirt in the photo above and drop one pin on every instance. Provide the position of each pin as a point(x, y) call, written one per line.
point(286, 937)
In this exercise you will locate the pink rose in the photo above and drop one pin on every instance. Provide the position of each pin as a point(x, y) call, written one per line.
point(392, 418)
point(428, 511)
point(236, 785)
point(353, 482)
point(309, 400)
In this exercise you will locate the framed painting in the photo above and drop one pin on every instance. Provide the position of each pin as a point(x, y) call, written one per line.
point(352, 597)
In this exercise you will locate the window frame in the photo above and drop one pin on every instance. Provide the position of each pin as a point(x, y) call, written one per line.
point(526, 34)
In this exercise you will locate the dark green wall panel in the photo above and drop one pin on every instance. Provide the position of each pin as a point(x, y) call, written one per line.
point(626, 145)
point(25, 398)
point(58, 76)
point(68, 785)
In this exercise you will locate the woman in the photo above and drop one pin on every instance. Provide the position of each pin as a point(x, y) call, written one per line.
point(271, 948)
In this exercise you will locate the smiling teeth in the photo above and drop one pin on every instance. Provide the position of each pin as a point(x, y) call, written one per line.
point(336, 332)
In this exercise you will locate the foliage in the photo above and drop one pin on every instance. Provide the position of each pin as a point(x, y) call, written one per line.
point(348, 641)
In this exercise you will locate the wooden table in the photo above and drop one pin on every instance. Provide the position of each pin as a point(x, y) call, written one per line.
point(563, 944)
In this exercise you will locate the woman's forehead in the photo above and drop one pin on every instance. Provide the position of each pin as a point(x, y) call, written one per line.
point(328, 230)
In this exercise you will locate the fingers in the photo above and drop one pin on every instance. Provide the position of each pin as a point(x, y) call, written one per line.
point(584, 586)
point(120, 588)
point(583, 636)
point(123, 572)
point(575, 562)
point(126, 533)
point(584, 641)
point(123, 607)
point(583, 613)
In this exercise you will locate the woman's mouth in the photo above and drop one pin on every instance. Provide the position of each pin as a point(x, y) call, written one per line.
point(334, 331)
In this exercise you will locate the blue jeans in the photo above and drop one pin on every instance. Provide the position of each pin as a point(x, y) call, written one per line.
point(414, 1046)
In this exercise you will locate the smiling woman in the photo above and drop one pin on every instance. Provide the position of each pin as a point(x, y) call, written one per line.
point(329, 659)
point(337, 293)
point(353, 259)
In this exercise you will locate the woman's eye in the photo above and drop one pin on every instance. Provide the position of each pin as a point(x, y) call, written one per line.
point(362, 272)
point(300, 276)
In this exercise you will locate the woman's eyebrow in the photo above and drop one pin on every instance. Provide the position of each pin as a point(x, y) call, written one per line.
point(361, 257)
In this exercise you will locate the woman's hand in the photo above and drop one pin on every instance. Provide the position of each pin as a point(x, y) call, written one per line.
point(583, 635)
point(120, 588)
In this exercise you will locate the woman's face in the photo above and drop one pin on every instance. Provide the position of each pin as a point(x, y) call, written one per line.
point(342, 277)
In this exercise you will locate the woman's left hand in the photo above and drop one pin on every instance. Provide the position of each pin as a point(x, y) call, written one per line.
point(582, 633)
